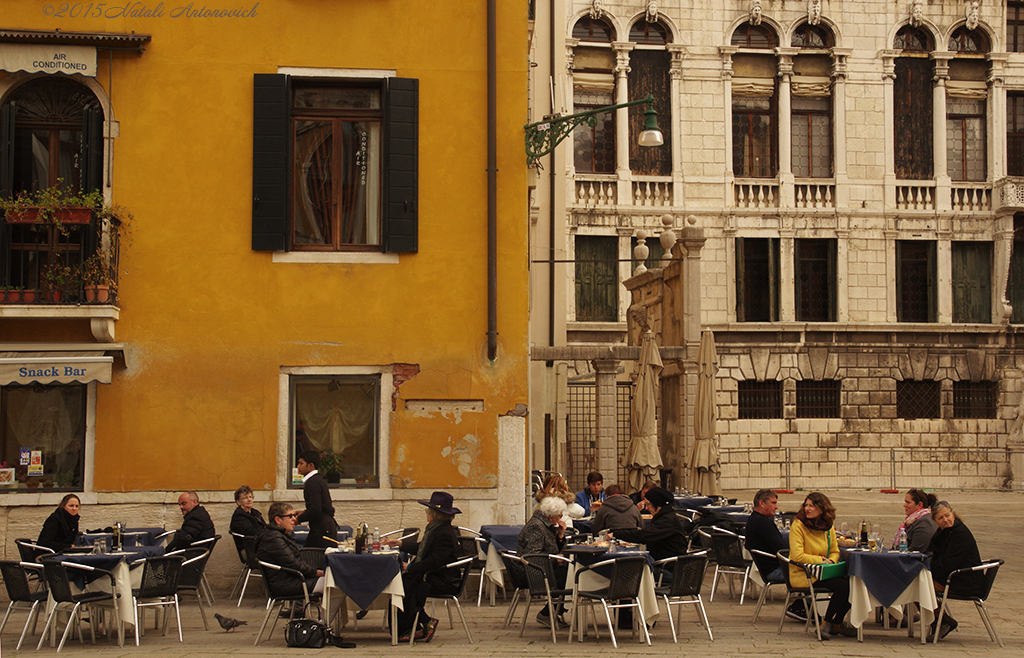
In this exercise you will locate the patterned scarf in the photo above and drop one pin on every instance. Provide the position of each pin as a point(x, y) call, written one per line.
point(818, 523)
point(907, 523)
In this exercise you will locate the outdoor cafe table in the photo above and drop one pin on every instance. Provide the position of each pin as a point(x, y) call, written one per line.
point(731, 513)
point(595, 579)
point(126, 576)
point(132, 537)
point(362, 578)
point(890, 579)
point(692, 502)
point(497, 538)
point(301, 534)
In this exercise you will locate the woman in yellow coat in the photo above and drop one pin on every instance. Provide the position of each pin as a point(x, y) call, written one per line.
point(812, 540)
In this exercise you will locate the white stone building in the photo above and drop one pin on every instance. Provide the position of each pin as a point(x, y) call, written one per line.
point(857, 171)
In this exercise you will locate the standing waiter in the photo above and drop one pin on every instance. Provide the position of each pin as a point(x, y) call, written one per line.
point(319, 512)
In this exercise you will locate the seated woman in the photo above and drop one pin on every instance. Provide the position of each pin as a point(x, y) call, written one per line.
point(544, 532)
point(665, 536)
point(438, 545)
point(918, 525)
point(555, 485)
point(246, 519)
point(954, 547)
point(60, 530)
point(812, 540)
point(275, 545)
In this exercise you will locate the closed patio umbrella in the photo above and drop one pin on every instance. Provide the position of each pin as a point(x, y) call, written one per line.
point(643, 458)
point(705, 469)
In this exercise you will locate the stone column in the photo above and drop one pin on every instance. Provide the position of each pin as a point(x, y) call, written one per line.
point(726, 53)
point(997, 115)
point(622, 136)
point(888, 79)
point(943, 185)
point(693, 240)
point(842, 195)
point(785, 128)
point(676, 75)
point(606, 444)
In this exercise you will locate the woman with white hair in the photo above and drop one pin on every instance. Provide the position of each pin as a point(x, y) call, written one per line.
point(545, 533)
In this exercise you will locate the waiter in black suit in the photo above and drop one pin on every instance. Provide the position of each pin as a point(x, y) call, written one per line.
point(319, 512)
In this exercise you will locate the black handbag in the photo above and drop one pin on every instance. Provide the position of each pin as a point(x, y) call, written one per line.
point(311, 634)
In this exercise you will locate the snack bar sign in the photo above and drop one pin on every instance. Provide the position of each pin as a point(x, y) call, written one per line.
point(35, 58)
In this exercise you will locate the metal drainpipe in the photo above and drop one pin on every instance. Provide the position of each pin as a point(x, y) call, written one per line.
point(492, 184)
point(551, 193)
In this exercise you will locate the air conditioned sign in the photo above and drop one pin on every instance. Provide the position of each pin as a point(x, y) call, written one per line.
point(36, 58)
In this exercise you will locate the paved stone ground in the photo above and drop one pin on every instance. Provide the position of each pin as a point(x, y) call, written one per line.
point(994, 518)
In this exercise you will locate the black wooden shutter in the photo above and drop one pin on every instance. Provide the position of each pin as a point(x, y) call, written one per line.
point(270, 140)
point(773, 279)
point(912, 97)
point(7, 114)
point(92, 150)
point(741, 281)
point(401, 176)
point(972, 282)
point(649, 74)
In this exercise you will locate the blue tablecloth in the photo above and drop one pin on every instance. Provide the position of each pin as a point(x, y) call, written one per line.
point(692, 502)
point(105, 561)
point(132, 537)
point(504, 537)
point(364, 576)
point(731, 513)
point(606, 571)
point(886, 574)
point(301, 533)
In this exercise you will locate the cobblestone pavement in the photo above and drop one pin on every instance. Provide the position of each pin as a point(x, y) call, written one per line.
point(994, 518)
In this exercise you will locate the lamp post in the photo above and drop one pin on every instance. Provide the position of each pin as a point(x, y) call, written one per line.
point(543, 136)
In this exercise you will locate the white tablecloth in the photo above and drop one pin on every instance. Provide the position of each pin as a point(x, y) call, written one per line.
point(921, 592)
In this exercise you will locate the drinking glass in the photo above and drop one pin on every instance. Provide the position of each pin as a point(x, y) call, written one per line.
point(844, 528)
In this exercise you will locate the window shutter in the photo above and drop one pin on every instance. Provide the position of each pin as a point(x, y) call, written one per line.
point(649, 74)
point(92, 150)
point(270, 140)
point(833, 262)
point(912, 97)
point(7, 113)
point(741, 281)
point(933, 276)
point(401, 212)
point(773, 278)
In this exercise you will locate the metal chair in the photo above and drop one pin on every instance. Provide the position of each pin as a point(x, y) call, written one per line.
point(465, 564)
point(208, 544)
point(765, 586)
point(470, 540)
point(20, 591)
point(31, 552)
point(239, 540)
point(516, 573)
point(193, 568)
point(277, 597)
point(542, 585)
point(989, 568)
point(627, 573)
point(159, 588)
point(805, 594)
point(729, 560)
point(402, 533)
point(56, 574)
point(687, 578)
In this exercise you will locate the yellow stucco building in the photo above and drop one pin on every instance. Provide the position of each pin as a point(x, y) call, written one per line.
point(307, 265)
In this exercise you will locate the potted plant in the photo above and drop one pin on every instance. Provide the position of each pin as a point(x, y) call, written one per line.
point(9, 295)
point(331, 466)
point(59, 278)
point(51, 205)
point(97, 278)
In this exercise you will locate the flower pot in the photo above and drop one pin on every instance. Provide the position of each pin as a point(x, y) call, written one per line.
point(98, 294)
point(28, 296)
point(55, 296)
point(58, 215)
point(11, 297)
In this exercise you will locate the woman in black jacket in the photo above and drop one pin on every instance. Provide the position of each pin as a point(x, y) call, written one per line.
point(60, 530)
point(246, 519)
point(666, 534)
point(425, 573)
point(954, 547)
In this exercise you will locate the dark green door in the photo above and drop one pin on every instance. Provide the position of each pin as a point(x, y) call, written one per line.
point(597, 278)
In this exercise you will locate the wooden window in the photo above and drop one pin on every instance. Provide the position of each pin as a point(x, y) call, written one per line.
point(974, 399)
point(815, 280)
point(749, 35)
point(968, 41)
point(338, 416)
point(1015, 287)
point(915, 281)
point(912, 97)
point(753, 137)
point(1015, 27)
point(593, 29)
point(50, 419)
point(597, 278)
point(972, 282)
point(594, 146)
point(335, 164)
point(918, 399)
point(757, 279)
point(812, 137)
point(812, 36)
point(817, 399)
point(760, 399)
point(649, 74)
point(650, 34)
point(1015, 133)
point(965, 139)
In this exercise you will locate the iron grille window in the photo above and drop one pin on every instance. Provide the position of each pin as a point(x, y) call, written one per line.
point(974, 399)
point(651, 34)
point(812, 137)
point(760, 399)
point(757, 279)
point(817, 399)
point(815, 280)
point(753, 136)
point(594, 146)
point(915, 277)
point(1015, 27)
point(965, 139)
point(918, 399)
point(592, 29)
point(811, 36)
point(581, 432)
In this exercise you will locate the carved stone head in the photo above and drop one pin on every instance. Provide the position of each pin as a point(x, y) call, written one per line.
point(973, 15)
point(917, 13)
point(813, 12)
point(755, 12)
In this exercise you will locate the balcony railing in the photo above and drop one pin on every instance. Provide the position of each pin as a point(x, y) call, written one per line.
point(808, 194)
point(971, 197)
point(919, 195)
point(756, 193)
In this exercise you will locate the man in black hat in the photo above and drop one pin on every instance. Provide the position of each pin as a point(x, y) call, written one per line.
point(425, 573)
point(665, 536)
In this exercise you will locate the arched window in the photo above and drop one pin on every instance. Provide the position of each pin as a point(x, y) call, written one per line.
point(812, 36)
point(912, 39)
point(968, 41)
point(57, 138)
point(593, 29)
point(749, 35)
point(649, 34)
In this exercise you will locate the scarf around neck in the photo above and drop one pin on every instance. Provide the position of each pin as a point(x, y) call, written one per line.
point(907, 523)
point(814, 524)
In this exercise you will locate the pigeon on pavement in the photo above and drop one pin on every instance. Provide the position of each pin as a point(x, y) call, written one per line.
point(227, 623)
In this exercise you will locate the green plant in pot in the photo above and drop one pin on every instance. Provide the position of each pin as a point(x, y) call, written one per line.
point(52, 205)
point(59, 279)
point(98, 279)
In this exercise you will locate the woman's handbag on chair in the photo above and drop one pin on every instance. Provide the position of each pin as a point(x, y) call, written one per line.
point(828, 570)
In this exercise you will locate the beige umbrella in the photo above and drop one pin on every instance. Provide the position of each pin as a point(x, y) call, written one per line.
point(643, 459)
point(705, 469)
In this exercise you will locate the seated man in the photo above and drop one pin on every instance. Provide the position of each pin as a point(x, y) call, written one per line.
point(196, 525)
point(591, 498)
point(276, 546)
point(763, 535)
point(666, 534)
point(617, 512)
point(640, 497)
